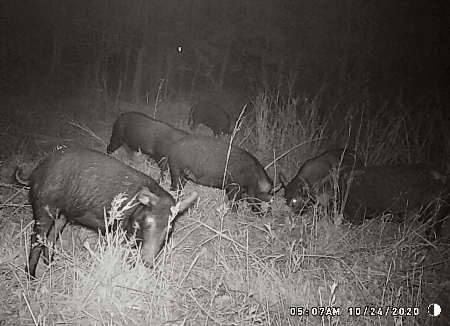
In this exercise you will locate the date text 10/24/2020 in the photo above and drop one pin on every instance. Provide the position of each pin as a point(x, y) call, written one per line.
point(354, 311)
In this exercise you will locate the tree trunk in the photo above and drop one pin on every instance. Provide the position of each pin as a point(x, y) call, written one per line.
point(137, 81)
point(58, 14)
point(345, 47)
point(142, 53)
point(226, 59)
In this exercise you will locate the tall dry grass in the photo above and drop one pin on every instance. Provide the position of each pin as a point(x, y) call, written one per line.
point(234, 268)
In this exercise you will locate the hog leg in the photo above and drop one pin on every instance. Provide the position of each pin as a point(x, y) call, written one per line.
point(44, 222)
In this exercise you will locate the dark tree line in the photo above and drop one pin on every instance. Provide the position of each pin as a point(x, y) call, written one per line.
point(129, 48)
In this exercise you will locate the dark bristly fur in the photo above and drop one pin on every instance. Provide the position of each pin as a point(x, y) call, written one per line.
point(138, 131)
point(81, 183)
point(212, 115)
point(301, 189)
point(202, 160)
point(396, 189)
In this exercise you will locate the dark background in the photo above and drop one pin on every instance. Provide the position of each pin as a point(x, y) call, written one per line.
point(384, 47)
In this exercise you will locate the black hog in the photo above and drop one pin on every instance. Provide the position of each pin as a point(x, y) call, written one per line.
point(302, 189)
point(81, 183)
point(212, 115)
point(398, 189)
point(138, 131)
point(202, 160)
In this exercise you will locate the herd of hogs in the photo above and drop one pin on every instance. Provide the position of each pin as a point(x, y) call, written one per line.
point(81, 183)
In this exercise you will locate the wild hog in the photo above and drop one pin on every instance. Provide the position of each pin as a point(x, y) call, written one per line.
point(397, 189)
point(81, 183)
point(212, 115)
point(138, 131)
point(302, 188)
point(203, 159)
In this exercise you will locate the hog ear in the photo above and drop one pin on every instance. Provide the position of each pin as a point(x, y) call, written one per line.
point(188, 201)
point(146, 197)
point(283, 179)
point(277, 188)
point(306, 185)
